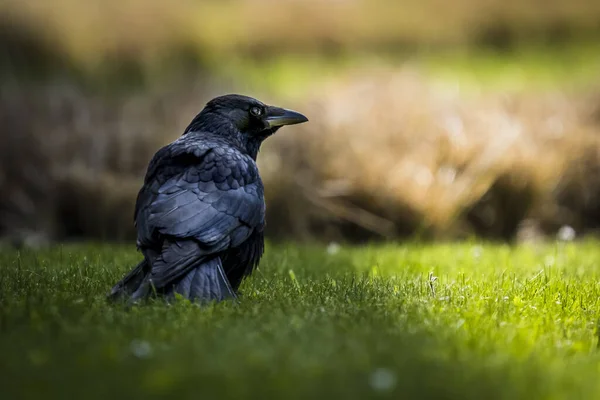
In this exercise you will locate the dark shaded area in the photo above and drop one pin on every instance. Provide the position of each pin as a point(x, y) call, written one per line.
point(502, 208)
point(25, 53)
point(504, 35)
point(578, 195)
point(73, 170)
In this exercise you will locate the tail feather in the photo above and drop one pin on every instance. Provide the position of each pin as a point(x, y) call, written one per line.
point(203, 280)
point(204, 283)
point(130, 282)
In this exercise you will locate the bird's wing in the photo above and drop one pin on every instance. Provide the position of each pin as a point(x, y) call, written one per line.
point(213, 196)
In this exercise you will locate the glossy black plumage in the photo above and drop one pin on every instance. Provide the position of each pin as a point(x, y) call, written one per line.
point(200, 213)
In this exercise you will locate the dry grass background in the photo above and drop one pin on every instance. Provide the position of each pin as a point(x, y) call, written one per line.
point(388, 153)
point(393, 154)
point(385, 155)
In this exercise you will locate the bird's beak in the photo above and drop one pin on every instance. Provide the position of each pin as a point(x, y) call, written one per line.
point(280, 116)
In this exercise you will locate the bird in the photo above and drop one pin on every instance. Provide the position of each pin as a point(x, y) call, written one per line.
point(200, 213)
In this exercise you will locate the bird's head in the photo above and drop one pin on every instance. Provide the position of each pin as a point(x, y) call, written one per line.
point(243, 117)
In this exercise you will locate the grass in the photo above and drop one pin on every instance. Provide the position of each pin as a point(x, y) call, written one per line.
point(525, 68)
point(443, 321)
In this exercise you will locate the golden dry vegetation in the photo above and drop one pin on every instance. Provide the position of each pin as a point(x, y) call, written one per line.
point(394, 154)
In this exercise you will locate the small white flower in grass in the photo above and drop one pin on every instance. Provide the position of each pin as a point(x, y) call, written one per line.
point(477, 251)
point(566, 234)
point(333, 248)
point(140, 348)
point(382, 380)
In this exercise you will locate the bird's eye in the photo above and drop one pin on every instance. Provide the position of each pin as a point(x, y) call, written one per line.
point(256, 111)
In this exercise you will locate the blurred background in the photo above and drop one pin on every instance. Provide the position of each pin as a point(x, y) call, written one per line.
point(429, 119)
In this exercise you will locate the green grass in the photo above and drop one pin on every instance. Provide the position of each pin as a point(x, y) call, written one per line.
point(526, 67)
point(445, 321)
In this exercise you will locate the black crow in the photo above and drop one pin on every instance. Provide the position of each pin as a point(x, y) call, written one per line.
point(200, 213)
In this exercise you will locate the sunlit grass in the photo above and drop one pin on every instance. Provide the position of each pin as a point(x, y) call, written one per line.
point(574, 66)
point(526, 68)
point(417, 321)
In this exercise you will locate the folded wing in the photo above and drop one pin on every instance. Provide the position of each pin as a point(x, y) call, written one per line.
point(212, 197)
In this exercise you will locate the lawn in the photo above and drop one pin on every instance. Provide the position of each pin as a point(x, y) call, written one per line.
point(443, 321)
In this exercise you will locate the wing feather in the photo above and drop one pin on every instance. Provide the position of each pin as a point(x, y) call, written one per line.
point(214, 197)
